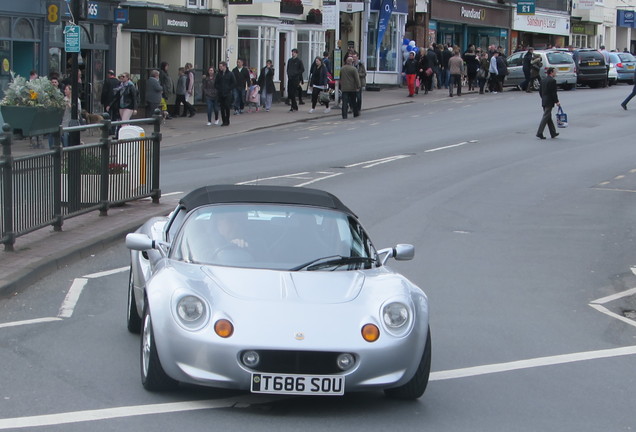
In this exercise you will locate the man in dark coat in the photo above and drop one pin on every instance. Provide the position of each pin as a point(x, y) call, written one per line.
point(446, 55)
point(242, 76)
point(224, 83)
point(549, 98)
point(527, 70)
point(111, 83)
point(295, 71)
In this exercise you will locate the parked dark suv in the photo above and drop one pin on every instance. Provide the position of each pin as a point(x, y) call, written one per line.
point(591, 68)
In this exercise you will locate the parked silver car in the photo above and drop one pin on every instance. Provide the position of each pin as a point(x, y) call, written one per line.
point(274, 290)
point(561, 61)
point(625, 65)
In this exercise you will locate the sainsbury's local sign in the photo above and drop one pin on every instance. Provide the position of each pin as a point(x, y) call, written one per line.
point(542, 23)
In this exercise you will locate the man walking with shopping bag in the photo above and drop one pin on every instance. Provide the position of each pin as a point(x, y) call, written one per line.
point(549, 98)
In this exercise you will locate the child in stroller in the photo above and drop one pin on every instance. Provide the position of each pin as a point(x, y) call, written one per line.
point(253, 96)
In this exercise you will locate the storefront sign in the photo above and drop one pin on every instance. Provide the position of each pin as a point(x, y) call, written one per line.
point(586, 29)
point(177, 23)
point(98, 11)
point(584, 4)
point(625, 18)
point(452, 12)
point(525, 7)
point(121, 16)
point(542, 23)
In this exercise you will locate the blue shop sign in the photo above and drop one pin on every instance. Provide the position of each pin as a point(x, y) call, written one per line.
point(401, 6)
point(625, 18)
point(96, 10)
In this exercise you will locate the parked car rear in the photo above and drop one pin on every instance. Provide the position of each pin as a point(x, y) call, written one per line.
point(591, 68)
point(561, 61)
point(625, 65)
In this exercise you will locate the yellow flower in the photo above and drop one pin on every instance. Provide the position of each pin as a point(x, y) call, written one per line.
point(34, 94)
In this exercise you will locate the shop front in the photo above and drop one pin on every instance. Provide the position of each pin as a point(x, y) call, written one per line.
point(462, 24)
point(625, 33)
point(542, 30)
point(384, 61)
point(583, 35)
point(154, 35)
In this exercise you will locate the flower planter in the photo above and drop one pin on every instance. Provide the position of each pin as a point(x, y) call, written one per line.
point(314, 19)
point(291, 9)
point(32, 121)
point(118, 187)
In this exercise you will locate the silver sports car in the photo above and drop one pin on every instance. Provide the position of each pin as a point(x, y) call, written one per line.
point(274, 290)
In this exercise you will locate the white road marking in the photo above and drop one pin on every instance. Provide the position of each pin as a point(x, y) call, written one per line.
point(608, 312)
point(121, 412)
point(318, 179)
point(68, 305)
point(613, 297)
point(31, 321)
point(450, 146)
point(272, 178)
point(107, 273)
point(372, 163)
point(532, 363)
point(598, 304)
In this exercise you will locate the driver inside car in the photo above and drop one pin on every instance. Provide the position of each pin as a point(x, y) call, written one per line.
point(231, 227)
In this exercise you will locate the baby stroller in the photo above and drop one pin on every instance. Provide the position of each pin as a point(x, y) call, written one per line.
point(332, 88)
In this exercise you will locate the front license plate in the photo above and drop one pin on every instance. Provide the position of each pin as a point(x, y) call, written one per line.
point(297, 384)
point(593, 64)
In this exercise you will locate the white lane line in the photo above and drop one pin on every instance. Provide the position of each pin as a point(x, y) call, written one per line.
point(608, 312)
point(372, 163)
point(272, 178)
point(613, 297)
point(31, 321)
point(68, 305)
point(318, 179)
point(532, 363)
point(107, 272)
point(446, 147)
point(121, 412)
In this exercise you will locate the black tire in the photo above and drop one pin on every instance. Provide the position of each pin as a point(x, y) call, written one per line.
point(133, 320)
point(153, 377)
point(416, 385)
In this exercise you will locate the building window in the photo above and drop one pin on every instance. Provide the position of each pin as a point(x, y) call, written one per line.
point(389, 56)
point(256, 45)
point(579, 40)
point(197, 4)
point(311, 44)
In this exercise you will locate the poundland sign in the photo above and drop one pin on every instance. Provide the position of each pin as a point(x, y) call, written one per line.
point(476, 14)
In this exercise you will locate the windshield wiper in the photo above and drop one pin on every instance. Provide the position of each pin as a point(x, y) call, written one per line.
point(331, 261)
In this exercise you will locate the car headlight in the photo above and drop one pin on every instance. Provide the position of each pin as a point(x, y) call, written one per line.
point(395, 315)
point(190, 309)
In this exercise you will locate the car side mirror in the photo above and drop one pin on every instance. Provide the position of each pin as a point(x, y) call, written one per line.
point(401, 252)
point(139, 242)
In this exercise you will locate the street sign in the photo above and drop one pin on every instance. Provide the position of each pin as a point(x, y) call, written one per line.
point(72, 38)
point(525, 7)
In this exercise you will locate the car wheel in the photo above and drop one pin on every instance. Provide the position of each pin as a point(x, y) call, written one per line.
point(567, 87)
point(153, 377)
point(133, 320)
point(536, 84)
point(416, 385)
point(604, 83)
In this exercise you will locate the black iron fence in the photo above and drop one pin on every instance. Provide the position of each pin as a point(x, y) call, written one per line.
point(43, 189)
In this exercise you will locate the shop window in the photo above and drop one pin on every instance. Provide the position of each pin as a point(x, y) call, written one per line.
point(99, 34)
point(389, 58)
point(24, 29)
point(310, 45)
point(579, 41)
point(197, 4)
point(5, 27)
point(256, 45)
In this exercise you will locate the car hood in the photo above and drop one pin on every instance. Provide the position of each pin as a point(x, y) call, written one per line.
point(303, 286)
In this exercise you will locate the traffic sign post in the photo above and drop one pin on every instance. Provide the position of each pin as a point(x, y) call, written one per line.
point(72, 38)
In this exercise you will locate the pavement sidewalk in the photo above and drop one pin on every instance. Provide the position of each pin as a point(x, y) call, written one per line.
point(44, 251)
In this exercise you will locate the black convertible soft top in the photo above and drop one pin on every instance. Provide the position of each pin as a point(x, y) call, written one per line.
point(218, 194)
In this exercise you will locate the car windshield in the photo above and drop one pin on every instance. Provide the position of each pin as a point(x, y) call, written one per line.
point(557, 58)
point(279, 237)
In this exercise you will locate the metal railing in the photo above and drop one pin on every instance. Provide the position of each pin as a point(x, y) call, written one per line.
point(44, 189)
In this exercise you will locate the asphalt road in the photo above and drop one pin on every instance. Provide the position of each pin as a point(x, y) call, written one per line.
point(524, 247)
